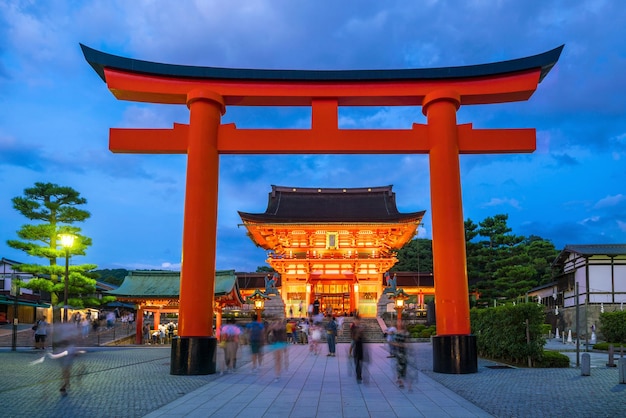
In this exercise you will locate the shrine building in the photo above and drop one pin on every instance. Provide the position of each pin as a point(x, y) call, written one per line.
point(332, 244)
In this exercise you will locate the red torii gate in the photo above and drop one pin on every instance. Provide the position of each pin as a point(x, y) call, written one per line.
point(207, 91)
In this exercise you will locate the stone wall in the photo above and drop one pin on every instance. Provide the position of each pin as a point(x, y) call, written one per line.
point(588, 315)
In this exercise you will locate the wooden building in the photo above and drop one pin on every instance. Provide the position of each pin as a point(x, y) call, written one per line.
point(156, 292)
point(332, 245)
point(590, 279)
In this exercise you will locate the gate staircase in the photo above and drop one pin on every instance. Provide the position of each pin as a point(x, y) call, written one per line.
point(372, 330)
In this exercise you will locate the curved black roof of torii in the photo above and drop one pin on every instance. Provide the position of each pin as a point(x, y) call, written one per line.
point(100, 60)
point(331, 205)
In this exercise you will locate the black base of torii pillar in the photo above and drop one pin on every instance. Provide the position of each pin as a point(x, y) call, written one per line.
point(455, 354)
point(193, 355)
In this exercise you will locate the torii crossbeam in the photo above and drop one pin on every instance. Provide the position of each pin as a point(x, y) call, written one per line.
point(208, 91)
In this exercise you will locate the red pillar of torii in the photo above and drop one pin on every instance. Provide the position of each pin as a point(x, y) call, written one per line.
point(208, 91)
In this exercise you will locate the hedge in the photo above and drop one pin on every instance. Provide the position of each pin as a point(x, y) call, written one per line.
point(501, 332)
point(553, 359)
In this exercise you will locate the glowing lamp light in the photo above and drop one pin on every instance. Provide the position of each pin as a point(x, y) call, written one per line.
point(67, 240)
point(258, 299)
point(399, 297)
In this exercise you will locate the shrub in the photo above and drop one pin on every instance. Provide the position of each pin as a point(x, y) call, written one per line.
point(613, 326)
point(422, 331)
point(552, 359)
point(417, 328)
point(605, 346)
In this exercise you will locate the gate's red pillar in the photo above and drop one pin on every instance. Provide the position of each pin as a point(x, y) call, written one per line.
point(194, 351)
point(454, 349)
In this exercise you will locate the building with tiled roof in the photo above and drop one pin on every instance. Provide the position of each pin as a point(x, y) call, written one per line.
point(594, 272)
point(332, 244)
point(157, 292)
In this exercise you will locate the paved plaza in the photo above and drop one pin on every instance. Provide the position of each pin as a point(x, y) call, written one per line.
point(134, 381)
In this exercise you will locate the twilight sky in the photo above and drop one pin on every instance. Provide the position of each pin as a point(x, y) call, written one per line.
point(55, 113)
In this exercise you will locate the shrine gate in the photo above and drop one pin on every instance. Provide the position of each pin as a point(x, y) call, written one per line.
point(208, 91)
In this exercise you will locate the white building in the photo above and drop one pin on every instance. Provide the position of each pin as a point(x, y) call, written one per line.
point(597, 273)
point(30, 304)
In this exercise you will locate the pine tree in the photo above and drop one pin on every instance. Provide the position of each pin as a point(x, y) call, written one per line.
point(54, 209)
point(500, 265)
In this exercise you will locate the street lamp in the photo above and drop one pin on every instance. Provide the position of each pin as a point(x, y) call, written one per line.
point(399, 296)
point(258, 298)
point(15, 291)
point(67, 241)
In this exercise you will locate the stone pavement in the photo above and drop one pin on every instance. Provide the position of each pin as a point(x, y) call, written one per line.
point(132, 381)
point(523, 392)
point(321, 386)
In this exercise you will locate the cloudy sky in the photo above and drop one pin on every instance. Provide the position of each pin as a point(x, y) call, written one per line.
point(55, 113)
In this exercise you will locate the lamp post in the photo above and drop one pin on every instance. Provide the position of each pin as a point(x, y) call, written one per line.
point(67, 241)
point(258, 299)
point(399, 297)
point(15, 291)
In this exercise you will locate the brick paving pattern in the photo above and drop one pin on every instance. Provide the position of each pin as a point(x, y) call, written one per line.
point(134, 381)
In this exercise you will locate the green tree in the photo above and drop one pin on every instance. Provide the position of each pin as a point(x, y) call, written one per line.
point(54, 209)
point(542, 254)
point(475, 255)
point(499, 264)
point(506, 265)
point(416, 255)
point(496, 230)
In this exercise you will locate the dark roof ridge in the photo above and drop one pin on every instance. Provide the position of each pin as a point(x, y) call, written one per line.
point(289, 189)
point(587, 248)
point(590, 250)
point(331, 205)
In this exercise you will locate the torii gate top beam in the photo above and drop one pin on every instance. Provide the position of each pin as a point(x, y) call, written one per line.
point(144, 81)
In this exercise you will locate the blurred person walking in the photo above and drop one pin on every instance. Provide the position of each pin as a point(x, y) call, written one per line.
point(358, 349)
point(279, 346)
point(65, 337)
point(331, 335)
point(230, 336)
point(256, 331)
point(41, 333)
point(400, 350)
point(304, 331)
point(315, 332)
point(85, 327)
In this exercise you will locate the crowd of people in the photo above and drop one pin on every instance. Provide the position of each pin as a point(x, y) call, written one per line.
point(276, 336)
point(85, 322)
point(162, 334)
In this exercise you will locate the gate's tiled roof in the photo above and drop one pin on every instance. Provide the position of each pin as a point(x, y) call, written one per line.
point(165, 283)
point(331, 205)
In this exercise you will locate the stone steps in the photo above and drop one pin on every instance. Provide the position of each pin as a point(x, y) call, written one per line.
point(371, 330)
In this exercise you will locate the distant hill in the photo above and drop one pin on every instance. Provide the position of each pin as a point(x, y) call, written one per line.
point(112, 276)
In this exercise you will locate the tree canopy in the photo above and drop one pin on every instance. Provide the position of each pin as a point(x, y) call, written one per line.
point(500, 264)
point(54, 209)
